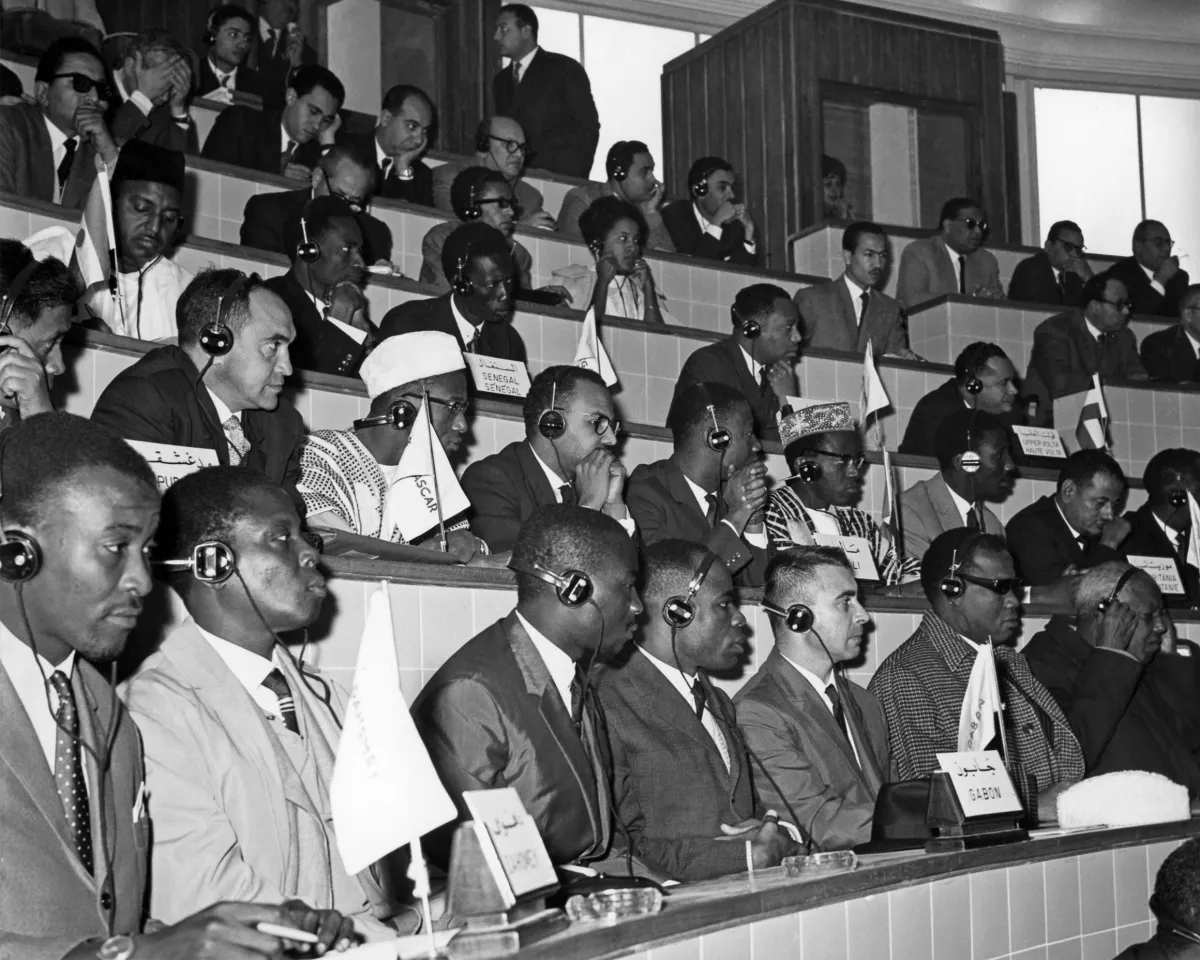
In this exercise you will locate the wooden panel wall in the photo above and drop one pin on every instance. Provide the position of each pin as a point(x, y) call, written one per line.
point(471, 59)
point(753, 95)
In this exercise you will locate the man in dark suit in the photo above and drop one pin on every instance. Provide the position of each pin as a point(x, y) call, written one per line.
point(514, 706)
point(475, 256)
point(681, 774)
point(235, 408)
point(713, 495)
point(341, 172)
point(547, 93)
point(288, 141)
point(952, 261)
point(848, 313)
point(1162, 526)
point(71, 889)
point(228, 36)
point(710, 223)
point(1092, 338)
point(48, 149)
point(822, 739)
point(1076, 528)
point(325, 294)
point(281, 48)
point(1057, 274)
point(154, 82)
point(400, 138)
point(1152, 276)
point(574, 465)
point(758, 359)
point(1174, 353)
point(1129, 697)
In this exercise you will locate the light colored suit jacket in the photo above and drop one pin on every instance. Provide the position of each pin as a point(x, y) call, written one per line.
point(232, 817)
point(829, 324)
point(926, 271)
point(927, 511)
point(48, 902)
point(796, 737)
point(27, 159)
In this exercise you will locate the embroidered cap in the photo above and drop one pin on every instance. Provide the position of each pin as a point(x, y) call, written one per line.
point(819, 418)
point(408, 358)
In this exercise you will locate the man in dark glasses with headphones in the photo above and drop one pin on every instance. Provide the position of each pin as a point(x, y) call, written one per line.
point(515, 707)
point(48, 149)
point(1162, 526)
point(822, 740)
point(951, 261)
point(80, 510)
point(683, 783)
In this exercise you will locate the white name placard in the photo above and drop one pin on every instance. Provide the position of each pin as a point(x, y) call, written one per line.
point(981, 783)
point(1164, 570)
point(511, 843)
point(857, 551)
point(1040, 442)
point(508, 378)
point(170, 462)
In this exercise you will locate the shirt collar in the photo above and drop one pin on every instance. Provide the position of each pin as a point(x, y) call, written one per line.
point(752, 365)
point(964, 507)
point(705, 226)
point(57, 137)
point(380, 156)
point(675, 676)
point(223, 412)
point(1193, 341)
point(286, 139)
point(18, 661)
point(1171, 532)
point(1092, 329)
point(855, 290)
point(249, 668)
point(221, 74)
point(264, 29)
point(1147, 271)
point(1074, 533)
point(560, 666)
point(525, 61)
point(814, 681)
point(553, 478)
point(953, 647)
point(119, 83)
point(699, 493)
point(953, 256)
point(466, 329)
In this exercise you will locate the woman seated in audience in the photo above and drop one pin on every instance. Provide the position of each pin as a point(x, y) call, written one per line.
point(620, 284)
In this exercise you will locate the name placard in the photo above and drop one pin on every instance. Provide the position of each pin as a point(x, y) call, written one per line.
point(170, 462)
point(509, 378)
point(981, 783)
point(857, 551)
point(1040, 442)
point(511, 843)
point(1164, 570)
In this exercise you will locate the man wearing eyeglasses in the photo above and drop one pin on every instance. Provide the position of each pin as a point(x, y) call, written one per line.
point(346, 475)
point(952, 261)
point(1152, 275)
point(1174, 353)
point(1057, 273)
point(1092, 338)
point(400, 138)
point(48, 149)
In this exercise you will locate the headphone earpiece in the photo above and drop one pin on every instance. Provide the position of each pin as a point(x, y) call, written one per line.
point(1178, 499)
point(953, 586)
point(574, 587)
point(798, 617)
point(20, 557)
point(973, 385)
point(211, 562)
point(473, 211)
point(552, 424)
point(460, 284)
point(483, 139)
point(1103, 605)
point(970, 462)
point(699, 188)
point(307, 250)
point(750, 328)
point(210, 33)
point(809, 471)
point(680, 611)
point(718, 437)
point(216, 339)
point(401, 415)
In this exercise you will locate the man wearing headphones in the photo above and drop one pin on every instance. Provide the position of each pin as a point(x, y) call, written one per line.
point(345, 475)
point(1162, 526)
point(629, 167)
point(1125, 683)
point(228, 36)
point(683, 782)
point(710, 223)
point(221, 387)
point(758, 358)
point(567, 457)
point(324, 288)
point(1176, 905)
point(477, 311)
point(974, 594)
point(240, 739)
point(821, 739)
point(80, 511)
point(515, 706)
point(713, 487)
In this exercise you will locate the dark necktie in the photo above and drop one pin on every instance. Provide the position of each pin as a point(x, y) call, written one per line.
point(1062, 286)
point(710, 515)
point(64, 168)
point(516, 72)
point(962, 274)
point(578, 682)
point(567, 492)
point(1082, 541)
point(385, 168)
point(273, 41)
point(286, 157)
point(865, 297)
point(1106, 338)
point(278, 685)
point(698, 698)
point(839, 714)
point(764, 382)
point(973, 518)
point(68, 769)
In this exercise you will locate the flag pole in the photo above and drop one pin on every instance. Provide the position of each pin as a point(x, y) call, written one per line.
point(418, 873)
point(1002, 706)
point(437, 494)
point(114, 287)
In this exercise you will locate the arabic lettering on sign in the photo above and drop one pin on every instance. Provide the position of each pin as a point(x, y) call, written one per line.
point(171, 462)
point(981, 783)
point(857, 551)
point(1164, 570)
point(1040, 442)
point(509, 378)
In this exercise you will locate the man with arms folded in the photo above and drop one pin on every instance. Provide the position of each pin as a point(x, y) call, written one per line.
point(1057, 274)
point(629, 167)
point(952, 261)
point(975, 599)
point(514, 707)
point(566, 457)
point(240, 739)
point(74, 872)
point(683, 784)
point(822, 740)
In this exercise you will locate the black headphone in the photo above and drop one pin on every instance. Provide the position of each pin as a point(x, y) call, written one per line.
point(473, 211)
point(1177, 499)
point(216, 339)
point(680, 611)
point(211, 562)
point(1170, 923)
point(615, 167)
point(574, 587)
point(20, 554)
point(718, 438)
point(400, 416)
point(307, 250)
point(750, 328)
point(1103, 605)
point(809, 471)
point(210, 32)
point(952, 585)
point(552, 424)
point(798, 617)
point(460, 284)
point(973, 385)
point(699, 186)
point(8, 302)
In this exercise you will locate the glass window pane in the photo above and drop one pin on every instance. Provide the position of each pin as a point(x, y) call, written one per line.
point(1087, 165)
point(558, 30)
point(625, 62)
point(1170, 146)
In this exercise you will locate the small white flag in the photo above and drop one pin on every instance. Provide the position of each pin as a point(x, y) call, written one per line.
point(981, 703)
point(889, 489)
point(385, 792)
point(874, 397)
point(590, 354)
point(1193, 550)
point(1092, 429)
point(411, 505)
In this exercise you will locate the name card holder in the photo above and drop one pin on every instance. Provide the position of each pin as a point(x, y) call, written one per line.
point(971, 805)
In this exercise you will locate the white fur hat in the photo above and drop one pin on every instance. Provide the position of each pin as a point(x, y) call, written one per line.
point(408, 358)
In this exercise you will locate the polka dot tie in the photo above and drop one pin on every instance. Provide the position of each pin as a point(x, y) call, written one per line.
point(68, 769)
point(239, 445)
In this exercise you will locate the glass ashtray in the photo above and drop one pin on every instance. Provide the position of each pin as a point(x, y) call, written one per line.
point(614, 905)
point(821, 864)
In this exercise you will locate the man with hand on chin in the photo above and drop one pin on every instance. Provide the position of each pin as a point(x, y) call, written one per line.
point(710, 223)
point(630, 170)
point(399, 140)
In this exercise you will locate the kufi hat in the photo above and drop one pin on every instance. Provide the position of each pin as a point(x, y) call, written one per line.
point(145, 161)
point(408, 358)
point(818, 418)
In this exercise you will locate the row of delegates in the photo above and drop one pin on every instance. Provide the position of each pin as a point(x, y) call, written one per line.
point(74, 889)
point(233, 35)
point(952, 261)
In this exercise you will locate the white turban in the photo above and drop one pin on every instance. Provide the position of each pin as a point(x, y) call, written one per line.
point(408, 358)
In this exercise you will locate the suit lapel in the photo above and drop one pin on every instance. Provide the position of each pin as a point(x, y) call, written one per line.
point(95, 711)
point(850, 332)
point(681, 493)
point(660, 699)
point(750, 386)
point(42, 157)
point(535, 478)
point(945, 269)
point(944, 507)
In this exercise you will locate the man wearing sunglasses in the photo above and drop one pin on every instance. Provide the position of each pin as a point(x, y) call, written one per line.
point(1092, 338)
point(951, 261)
point(346, 475)
point(974, 598)
point(1057, 273)
point(1152, 275)
point(48, 149)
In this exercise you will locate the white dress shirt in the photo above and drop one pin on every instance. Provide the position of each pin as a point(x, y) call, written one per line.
point(1194, 342)
point(264, 34)
point(285, 138)
point(628, 524)
point(358, 336)
point(856, 293)
point(819, 686)
point(754, 539)
point(226, 83)
point(1093, 330)
point(249, 668)
point(140, 100)
point(1170, 531)
point(23, 671)
point(964, 506)
point(560, 666)
point(1150, 276)
point(58, 149)
point(954, 255)
point(752, 365)
point(683, 685)
point(525, 61)
point(1074, 533)
point(223, 412)
point(467, 330)
point(706, 226)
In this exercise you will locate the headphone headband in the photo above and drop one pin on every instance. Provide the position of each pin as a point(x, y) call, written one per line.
point(1123, 579)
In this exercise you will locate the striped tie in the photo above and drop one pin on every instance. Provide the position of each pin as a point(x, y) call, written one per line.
point(278, 685)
